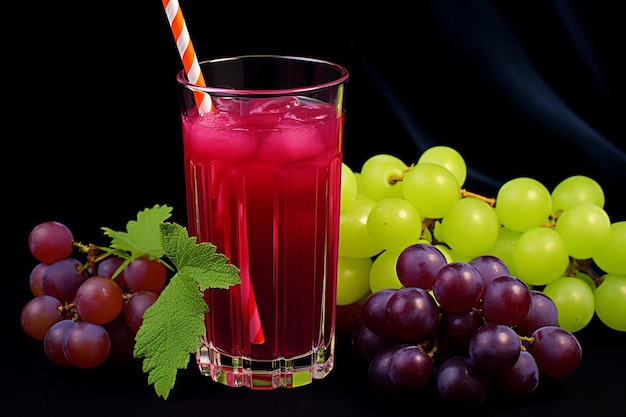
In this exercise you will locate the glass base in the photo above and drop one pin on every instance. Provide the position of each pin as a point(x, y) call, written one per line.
point(236, 371)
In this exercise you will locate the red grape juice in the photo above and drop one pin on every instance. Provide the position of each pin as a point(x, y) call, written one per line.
point(263, 184)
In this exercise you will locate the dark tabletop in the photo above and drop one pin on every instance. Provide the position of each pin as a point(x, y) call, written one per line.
point(519, 88)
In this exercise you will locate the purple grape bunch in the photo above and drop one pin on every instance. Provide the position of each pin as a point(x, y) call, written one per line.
point(469, 329)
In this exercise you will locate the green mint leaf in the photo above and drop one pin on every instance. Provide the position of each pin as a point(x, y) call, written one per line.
point(173, 325)
point(143, 236)
point(199, 262)
point(170, 332)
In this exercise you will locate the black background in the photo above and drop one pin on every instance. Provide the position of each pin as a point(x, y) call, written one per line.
point(92, 136)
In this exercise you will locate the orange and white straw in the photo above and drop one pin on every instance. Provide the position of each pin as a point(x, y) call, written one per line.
point(187, 52)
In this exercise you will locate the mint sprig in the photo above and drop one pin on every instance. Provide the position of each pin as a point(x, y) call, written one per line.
point(173, 325)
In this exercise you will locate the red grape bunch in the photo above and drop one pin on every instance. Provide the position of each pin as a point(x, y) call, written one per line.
point(469, 329)
point(86, 312)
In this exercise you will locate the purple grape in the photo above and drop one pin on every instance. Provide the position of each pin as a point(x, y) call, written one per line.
point(366, 344)
point(494, 348)
point(490, 267)
point(556, 351)
point(418, 264)
point(109, 266)
point(506, 300)
point(136, 306)
point(374, 312)
point(458, 287)
point(54, 340)
point(460, 384)
point(543, 312)
point(378, 371)
point(457, 329)
point(122, 341)
point(522, 379)
point(410, 368)
point(62, 278)
point(412, 313)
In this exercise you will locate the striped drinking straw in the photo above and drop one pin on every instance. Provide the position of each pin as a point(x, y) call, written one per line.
point(187, 52)
point(194, 75)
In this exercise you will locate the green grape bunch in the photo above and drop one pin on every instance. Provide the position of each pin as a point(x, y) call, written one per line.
point(560, 241)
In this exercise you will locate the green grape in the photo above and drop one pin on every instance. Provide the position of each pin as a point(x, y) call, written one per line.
point(437, 232)
point(610, 299)
point(380, 176)
point(352, 279)
point(540, 256)
point(354, 239)
point(427, 236)
point(359, 187)
point(585, 278)
point(459, 257)
point(503, 248)
point(611, 257)
point(575, 190)
point(585, 228)
point(574, 302)
point(447, 157)
point(447, 253)
point(383, 273)
point(432, 189)
point(471, 227)
point(348, 187)
point(523, 203)
point(394, 223)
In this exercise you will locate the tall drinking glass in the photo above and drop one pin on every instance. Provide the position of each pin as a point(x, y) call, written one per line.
point(263, 152)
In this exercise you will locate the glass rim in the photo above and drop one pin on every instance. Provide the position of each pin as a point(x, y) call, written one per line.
point(343, 75)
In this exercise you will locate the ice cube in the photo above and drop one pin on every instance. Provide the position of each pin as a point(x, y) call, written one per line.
point(205, 143)
point(292, 144)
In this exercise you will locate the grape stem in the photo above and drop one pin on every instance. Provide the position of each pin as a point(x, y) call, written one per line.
point(69, 310)
point(584, 266)
point(92, 252)
point(430, 346)
point(429, 224)
point(489, 200)
point(394, 179)
point(526, 339)
point(552, 220)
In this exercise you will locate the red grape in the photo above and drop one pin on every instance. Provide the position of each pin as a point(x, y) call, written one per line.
point(39, 314)
point(136, 306)
point(54, 341)
point(99, 300)
point(86, 344)
point(50, 242)
point(34, 280)
point(145, 274)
